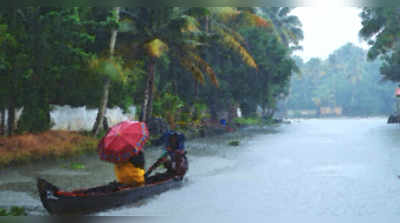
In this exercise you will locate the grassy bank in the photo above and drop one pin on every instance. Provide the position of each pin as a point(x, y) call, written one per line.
point(254, 121)
point(30, 147)
point(26, 148)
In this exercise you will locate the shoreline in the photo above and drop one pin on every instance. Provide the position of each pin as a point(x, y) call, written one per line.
point(20, 150)
point(16, 151)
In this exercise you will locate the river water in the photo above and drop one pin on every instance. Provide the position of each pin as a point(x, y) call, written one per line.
point(329, 167)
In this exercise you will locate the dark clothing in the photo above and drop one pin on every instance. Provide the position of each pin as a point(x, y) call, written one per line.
point(138, 160)
point(174, 160)
point(176, 164)
point(164, 139)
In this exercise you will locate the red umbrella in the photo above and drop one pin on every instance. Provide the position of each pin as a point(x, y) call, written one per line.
point(123, 141)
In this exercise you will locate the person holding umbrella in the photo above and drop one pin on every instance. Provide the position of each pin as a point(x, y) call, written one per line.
point(123, 145)
point(131, 172)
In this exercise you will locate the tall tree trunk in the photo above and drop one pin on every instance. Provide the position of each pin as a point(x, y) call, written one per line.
point(2, 121)
point(107, 83)
point(196, 90)
point(232, 112)
point(147, 107)
point(11, 99)
point(11, 116)
point(102, 107)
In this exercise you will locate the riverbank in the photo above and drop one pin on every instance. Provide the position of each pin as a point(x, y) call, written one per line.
point(20, 149)
point(26, 148)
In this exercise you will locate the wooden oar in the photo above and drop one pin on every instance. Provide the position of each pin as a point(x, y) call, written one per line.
point(155, 165)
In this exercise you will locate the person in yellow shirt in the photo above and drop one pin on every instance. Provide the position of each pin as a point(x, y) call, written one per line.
point(131, 172)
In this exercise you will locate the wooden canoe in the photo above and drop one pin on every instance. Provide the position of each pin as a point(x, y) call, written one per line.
point(86, 201)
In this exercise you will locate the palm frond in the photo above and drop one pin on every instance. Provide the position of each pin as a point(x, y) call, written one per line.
point(111, 67)
point(191, 67)
point(206, 67)
point(225, 14)
point(156, 48)
point(292, 21)
point(236, 46)
point(251, 19)
point(221, 28)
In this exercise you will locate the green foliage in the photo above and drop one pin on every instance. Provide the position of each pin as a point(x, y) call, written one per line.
point(346, 79)
point(75, 166)
point(200, 111)
point(248, 121)
point(234, 143)
point(166, 106)
point(381, 30)
point(14, 211)
point(61, 56)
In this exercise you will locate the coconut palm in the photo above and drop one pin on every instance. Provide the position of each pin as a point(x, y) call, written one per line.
point(107, 83)
point(153, 32)
point(223, 22)
point(287, 27)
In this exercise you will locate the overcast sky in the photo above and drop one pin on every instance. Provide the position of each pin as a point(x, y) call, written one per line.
point(328, 28)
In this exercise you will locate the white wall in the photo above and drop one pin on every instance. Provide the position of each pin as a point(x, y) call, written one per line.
point(81, 118)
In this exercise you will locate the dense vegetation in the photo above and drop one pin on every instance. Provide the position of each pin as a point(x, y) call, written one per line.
point(347, 80)
point(181, 64)
point(380, 27)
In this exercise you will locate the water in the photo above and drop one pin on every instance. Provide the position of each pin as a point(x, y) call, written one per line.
point(337, 167)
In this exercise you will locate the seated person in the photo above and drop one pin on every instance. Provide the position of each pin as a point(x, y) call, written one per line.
point(174, 159)
point(131, 172)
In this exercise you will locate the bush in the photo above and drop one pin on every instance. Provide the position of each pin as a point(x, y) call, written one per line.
point(248, 121)
point(234, 143)
point(28, 147)
point(14, 211)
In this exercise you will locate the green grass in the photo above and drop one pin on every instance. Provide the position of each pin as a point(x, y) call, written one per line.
point(234, 143)
point(248, 121)
point(13, 211)
point(75, 166)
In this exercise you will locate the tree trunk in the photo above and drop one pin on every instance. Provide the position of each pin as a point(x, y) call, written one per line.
point(212, 105)
point(11, 99)
point(232, 112)
point(147, 107)
point(11, 116)
point(2, 121)
point(107, 84)
point(196, 90)
point(102, 108)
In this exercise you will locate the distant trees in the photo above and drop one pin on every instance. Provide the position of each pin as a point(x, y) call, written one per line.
point(346, 79)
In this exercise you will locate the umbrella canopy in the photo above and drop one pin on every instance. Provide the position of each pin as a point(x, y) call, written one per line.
point(123, 141)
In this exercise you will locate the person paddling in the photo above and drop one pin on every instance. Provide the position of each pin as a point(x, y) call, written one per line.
point(174, 159)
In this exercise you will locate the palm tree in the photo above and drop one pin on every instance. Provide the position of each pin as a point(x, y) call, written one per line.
point(176, 31)
point(223, 21)
point(107, 82)
point(287, 27)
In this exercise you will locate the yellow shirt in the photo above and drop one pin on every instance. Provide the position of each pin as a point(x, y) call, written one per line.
point(126, 173)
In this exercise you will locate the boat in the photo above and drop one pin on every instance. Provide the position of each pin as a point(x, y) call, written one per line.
point(393, 119)
point(88, 201)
